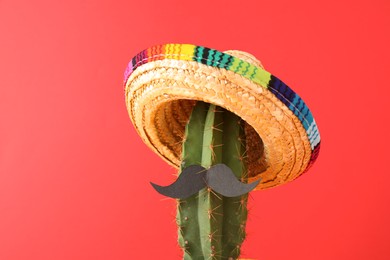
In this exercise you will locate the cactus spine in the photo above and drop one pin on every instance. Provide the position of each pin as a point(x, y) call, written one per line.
point(212, 226)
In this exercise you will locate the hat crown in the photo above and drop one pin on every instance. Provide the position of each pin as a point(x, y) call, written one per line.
point(245, 56)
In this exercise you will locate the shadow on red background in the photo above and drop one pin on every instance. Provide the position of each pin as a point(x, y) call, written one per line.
point(74, 175)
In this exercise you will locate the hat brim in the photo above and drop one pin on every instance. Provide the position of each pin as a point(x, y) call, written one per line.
point(162, 83)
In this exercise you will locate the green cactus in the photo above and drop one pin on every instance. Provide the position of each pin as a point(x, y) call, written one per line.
point(212, 226)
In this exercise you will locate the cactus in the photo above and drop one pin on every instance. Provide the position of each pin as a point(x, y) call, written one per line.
point(212, 226)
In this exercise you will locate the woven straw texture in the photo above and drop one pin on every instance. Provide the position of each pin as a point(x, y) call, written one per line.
point(163, 83)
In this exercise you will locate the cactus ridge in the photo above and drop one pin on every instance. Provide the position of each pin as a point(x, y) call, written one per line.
point(211, 226)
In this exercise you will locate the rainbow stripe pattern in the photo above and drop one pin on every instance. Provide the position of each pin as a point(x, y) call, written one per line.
point(214, 58)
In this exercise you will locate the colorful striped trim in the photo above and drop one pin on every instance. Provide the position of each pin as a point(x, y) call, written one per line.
point(222, 60)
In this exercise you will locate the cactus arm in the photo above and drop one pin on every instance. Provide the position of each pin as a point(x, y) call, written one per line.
point(210, 204)
point(187, 212)
point(235, 208)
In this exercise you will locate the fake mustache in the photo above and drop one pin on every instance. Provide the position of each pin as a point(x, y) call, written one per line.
point(195, 177)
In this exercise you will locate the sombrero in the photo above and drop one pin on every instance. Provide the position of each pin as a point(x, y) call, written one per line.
point(163, 83)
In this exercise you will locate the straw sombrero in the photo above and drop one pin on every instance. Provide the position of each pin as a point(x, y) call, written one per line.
point(163, 83)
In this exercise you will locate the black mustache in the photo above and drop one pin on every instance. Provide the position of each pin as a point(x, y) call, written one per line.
point(191, 180)
point(195, 177)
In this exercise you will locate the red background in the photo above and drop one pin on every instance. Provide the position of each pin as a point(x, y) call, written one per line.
point(74, 175)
